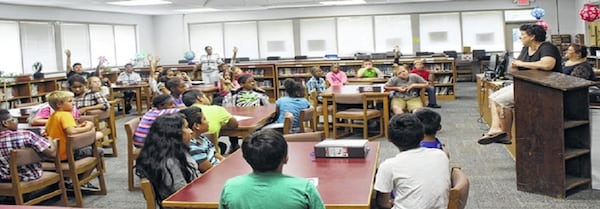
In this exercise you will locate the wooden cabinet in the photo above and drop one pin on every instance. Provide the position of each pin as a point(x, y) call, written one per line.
point(552, 133)
point(295, 71)
point(13, 93)
point(264, 75)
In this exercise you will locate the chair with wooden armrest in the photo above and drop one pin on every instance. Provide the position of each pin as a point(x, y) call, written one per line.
point(132, 151)
point(115, 99)
point(305, 137)
point(288, 122)
point(17, 188)
point(459, 191)
point(106, 125)
point(314, 100)
point(350, 116)
point(149, 194)
point(27, 104)
point(93, 165)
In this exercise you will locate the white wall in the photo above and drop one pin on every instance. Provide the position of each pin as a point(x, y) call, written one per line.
point(169, 38)
point(145, 28)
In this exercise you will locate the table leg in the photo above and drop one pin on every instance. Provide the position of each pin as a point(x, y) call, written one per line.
point(386, 114)
point(148, 98)
point(138, 100)
point(326, 116)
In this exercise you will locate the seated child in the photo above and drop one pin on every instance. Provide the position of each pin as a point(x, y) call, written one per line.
point(420, 70)
point(247, 95)
point(432, 123)
point(418, 177)
point(266, 152)
point(39, 116)
point(95, 85)
point(12, 138)
point(336, 77)
point(368, 71)
point(226, 85)
point(165, 159)
point(177, 86)
point(162, 104)
point(406, 91)
point(86, 100)
point(316, 82)
point(294, 102)
point(203, 150)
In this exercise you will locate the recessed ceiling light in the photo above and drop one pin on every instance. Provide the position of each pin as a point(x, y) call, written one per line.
point(139, 2)
point(198, 10)
point(343, 2)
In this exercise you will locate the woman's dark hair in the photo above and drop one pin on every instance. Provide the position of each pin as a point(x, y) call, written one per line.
point(163, 143)
point(580, 49)
point(430, 119)
point(193, 115)
point(535, 30)
point(173, 83)
point(293, 88)
point(405, 131)
point(4, 115)
point(189, 97)
point(264, 150)
point(161, 100)
point(76, 78)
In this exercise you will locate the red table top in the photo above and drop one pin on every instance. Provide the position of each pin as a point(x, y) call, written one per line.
point(258, 115)
point(31, 207)
point(343, 182)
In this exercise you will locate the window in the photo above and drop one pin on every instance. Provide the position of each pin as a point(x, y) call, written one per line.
point(243, 35)
point(10, 42)
point(355, 34)
point(393, 30)
point(76, 38)
point(440, 32)
point(102, 43)
point(317, 37)
point(38, 45)
point(124, 43)
point(276, 38)
point(489, 37)
point(202, 35)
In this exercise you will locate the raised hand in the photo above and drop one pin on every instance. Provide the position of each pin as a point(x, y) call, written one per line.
point(68, 53)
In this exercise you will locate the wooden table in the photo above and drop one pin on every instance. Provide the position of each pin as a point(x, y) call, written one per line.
point(139, 89)
point(258, 117)
point(367, 80)
point(353, 89)
point(32, 207)
point(343, 182)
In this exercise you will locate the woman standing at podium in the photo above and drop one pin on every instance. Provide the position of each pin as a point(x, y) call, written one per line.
point(537, 54)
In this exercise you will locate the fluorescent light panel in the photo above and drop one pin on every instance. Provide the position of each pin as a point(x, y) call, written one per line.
point(140, 2)
point(343, 2)
point(198, 10)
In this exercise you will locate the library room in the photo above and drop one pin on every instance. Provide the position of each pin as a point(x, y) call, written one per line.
point(300, 104)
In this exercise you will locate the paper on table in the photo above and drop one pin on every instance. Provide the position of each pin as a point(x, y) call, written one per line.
point(240, 117)
point(314, 180)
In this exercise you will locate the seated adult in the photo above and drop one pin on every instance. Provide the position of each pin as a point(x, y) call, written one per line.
point(368, 71)
point(537, 54)
point(266, 187)
point(161, 104)
point(405, 87)
point(11, 138)
point(576, 64)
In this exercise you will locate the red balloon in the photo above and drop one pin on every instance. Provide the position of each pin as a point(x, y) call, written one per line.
point(542, 23)
point(589, 12)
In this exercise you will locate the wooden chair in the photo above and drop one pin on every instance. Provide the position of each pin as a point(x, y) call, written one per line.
point(105, 123)
point(288, 121)
point(148, 193)
point(318, 108)
point(305, 137)
point(459, 192)
point(132, 151)
point(17, 188)
point(353, 114)
point(307, 120)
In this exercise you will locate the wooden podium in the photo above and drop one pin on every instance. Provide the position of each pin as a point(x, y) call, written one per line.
point(552, 133)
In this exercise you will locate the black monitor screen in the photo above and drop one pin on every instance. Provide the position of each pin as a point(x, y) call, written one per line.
point(492, 63)
point(502, 66)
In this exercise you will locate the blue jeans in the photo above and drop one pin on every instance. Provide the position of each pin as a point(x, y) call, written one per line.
point(431, 95)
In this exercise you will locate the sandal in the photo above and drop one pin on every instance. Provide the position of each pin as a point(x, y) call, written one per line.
point(492, 138)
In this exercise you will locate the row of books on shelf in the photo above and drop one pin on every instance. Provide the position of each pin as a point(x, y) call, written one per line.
point(256, 72)
point(444, 67)
point(265, 83)
point(447, 90)
point(14, 103)
point(443, 79)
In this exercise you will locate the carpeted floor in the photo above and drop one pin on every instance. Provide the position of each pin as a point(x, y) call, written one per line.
point(490, 168)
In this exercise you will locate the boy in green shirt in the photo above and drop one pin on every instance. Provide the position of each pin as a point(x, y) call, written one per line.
point(368, 71)
point(266, 186)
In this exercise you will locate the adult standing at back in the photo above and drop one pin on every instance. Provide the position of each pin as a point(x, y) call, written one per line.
point(209, 65)
point(537, 54)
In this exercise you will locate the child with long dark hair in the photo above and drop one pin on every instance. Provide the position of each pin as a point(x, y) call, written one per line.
point(165, 159)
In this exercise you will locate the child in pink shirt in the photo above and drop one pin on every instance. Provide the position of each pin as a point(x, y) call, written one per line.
point(336, 77)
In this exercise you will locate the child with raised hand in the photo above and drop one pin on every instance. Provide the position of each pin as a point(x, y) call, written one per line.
point(316, 82)
point(202, 150)
point(418, 177)
point(165, 159)
point(266, 151)
point(226, 85)
point(294, 102)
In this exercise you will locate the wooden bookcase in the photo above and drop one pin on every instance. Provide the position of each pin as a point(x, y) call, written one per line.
point(444, 75)
point(264, 75)
point(552, 133)
point(297, 71)
point(562, 41)
point(13, 93)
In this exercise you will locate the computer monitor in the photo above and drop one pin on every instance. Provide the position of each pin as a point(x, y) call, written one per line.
point(502, 66)
point(492, 64)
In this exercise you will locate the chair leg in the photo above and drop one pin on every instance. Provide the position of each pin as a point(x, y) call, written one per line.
point(102, 181)
point(77, 190)
point(130, 174)
point(63, 196)
point(366, 129)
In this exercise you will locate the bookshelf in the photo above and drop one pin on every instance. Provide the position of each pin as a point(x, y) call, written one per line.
point(297, 71)
point(562, 41)
point(13, 92)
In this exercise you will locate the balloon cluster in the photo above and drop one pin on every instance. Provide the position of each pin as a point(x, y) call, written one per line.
point(538, 13)
point(589, 13)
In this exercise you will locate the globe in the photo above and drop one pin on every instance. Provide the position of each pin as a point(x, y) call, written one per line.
point(189, 55)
